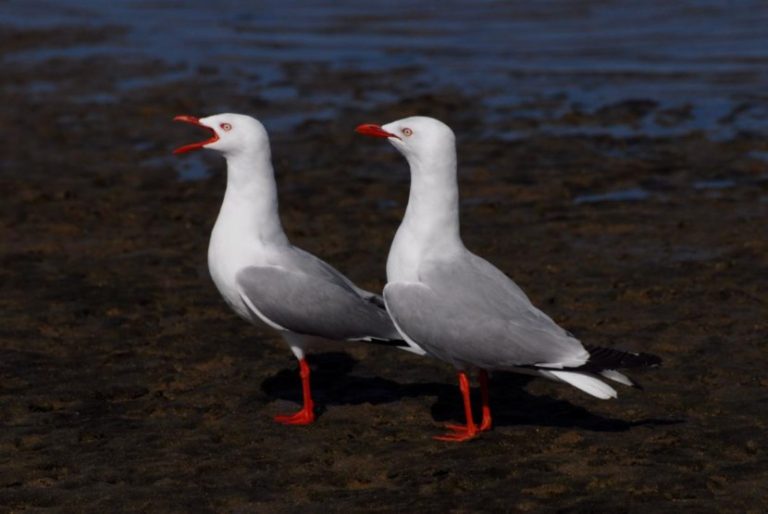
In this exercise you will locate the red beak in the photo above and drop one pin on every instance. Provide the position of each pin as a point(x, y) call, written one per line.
point(194, 146)
point(369, 129)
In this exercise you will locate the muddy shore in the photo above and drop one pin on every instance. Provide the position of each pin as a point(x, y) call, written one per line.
point(127, 385)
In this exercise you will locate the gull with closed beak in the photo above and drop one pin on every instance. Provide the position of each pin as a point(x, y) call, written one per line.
point(460, 308)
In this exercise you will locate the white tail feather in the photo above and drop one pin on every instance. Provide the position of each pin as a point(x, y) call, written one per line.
point(586, 383)
point(621, 378)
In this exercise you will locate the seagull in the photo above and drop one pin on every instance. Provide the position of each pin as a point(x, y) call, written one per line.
point(262, 276)
point(460, 308)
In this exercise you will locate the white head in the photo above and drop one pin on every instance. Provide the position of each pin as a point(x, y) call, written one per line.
point(231, 134)
point(423, 141)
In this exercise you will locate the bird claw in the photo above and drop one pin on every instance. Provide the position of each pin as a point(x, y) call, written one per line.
point(303, 417)
point(460, 433)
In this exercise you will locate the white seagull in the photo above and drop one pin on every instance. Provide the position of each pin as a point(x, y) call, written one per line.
point(460, 308)
point(262, 276)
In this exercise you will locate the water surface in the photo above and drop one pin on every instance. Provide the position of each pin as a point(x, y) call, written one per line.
point(539, 60)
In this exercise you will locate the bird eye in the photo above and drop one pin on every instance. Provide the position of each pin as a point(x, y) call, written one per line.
point(226, 127)
point(407, 132)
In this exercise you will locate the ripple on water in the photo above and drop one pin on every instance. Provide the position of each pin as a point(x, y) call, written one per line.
point(635, 194)
point(723, 183)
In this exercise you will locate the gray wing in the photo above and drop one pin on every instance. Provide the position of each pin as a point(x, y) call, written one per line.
point(312, 304)
point(466, 311)
point(308, 262)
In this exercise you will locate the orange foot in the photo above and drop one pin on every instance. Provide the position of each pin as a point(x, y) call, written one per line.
point(303, 417)
point(459, 433)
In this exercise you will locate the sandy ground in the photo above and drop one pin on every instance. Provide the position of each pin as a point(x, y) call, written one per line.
point(127, 385)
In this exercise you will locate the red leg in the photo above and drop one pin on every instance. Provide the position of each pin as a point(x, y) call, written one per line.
point(487, 423)
point(460, 432)
point(307, 414)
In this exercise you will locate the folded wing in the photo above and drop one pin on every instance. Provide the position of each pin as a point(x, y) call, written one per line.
point(312, 304)
point(466, 311)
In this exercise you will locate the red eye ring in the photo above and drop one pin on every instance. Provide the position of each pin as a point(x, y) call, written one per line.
point(407, 132)
point(226, 127)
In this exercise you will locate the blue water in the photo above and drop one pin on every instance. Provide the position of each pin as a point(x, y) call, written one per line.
point(712, 55)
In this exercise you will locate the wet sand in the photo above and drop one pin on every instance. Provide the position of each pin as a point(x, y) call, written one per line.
point(127, 385)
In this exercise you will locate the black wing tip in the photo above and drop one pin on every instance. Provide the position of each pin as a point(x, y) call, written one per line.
point(378, 301)
point(601, 358)
point(397, 343)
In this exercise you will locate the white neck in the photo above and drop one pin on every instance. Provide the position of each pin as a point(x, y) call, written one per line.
point(249, 209)
point(430, 226)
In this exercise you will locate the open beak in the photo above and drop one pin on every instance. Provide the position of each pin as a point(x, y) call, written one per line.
point(195, 146)
point(369, 129)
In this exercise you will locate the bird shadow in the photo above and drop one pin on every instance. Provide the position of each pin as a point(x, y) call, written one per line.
point(333, 384)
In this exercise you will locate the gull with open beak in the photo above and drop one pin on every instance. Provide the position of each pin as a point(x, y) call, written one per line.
point(461, 309)
point(262, 276)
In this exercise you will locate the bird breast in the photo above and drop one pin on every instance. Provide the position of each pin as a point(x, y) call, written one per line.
point(404, 257)
point(228, 253)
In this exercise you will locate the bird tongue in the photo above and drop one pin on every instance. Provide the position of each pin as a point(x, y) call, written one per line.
point(200, 144)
